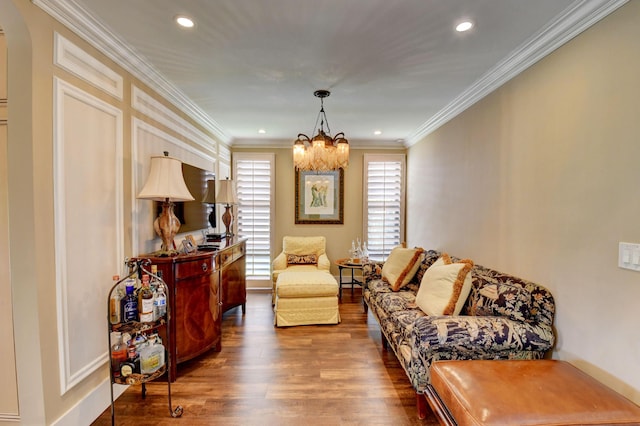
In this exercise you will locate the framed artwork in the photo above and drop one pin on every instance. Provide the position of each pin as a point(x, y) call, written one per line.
point(320, 197)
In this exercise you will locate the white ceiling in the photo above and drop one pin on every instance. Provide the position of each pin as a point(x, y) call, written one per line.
point(394, 66)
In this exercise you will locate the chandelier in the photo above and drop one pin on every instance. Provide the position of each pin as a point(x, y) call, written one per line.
point(322, 152)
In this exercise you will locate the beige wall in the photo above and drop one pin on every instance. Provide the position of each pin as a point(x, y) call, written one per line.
point(9, 390)
point(540, 179)
point(338, 237)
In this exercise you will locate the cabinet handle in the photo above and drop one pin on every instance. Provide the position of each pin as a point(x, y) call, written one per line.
point(204, 267)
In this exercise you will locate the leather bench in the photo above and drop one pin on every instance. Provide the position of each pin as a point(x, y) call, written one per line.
point(524, 393)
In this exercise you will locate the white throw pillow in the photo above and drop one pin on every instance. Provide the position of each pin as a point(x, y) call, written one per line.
point(445, 287)
point(401, 265)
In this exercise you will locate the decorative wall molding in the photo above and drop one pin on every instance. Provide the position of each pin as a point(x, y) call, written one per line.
point(87, 172)
point(576, 19)
point(94, 32)
point(70, 57)
point(91, 406)
point(147, 105)
point(224, 154)
point(146, 141)
point(288, 143)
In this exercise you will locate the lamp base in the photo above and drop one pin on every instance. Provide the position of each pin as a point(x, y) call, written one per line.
point(227, 219)
point(166, 226)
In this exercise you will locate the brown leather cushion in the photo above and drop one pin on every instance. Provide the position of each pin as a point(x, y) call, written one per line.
point(540, 392)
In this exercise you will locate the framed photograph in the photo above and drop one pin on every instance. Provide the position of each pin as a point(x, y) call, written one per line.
point(187, 246)
point(320, 197)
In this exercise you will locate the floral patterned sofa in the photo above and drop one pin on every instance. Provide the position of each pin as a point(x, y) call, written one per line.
point(504, 317)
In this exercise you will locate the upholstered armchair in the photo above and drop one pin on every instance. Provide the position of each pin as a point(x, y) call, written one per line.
point(300, 254)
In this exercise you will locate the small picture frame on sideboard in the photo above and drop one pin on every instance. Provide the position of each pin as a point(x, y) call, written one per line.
point(188, 247)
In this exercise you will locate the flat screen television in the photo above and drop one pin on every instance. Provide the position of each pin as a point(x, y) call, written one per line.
point(193, 215)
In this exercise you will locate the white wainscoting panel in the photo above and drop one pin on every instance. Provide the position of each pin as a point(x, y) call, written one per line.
point(75, 60)
point(148, 141)
point(89, 231)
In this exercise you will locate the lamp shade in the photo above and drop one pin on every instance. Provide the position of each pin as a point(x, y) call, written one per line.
point(165, 181)
point(227, 193)
point(210, 195)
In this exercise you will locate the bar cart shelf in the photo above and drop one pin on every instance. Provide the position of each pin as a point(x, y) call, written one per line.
point(138, 267)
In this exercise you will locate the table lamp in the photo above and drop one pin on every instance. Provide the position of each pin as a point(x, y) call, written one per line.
point(227, 196)
point(166, 184)
point(210, 198)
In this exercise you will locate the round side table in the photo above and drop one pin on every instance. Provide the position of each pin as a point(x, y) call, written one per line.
point(346, 264)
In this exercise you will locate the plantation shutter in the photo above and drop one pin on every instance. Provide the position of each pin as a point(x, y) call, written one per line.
point(384, 203)
point(254, 177)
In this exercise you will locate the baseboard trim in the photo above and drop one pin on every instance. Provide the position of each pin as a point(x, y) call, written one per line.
point(90, 407)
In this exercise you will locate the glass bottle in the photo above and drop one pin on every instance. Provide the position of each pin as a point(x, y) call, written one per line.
point(129, 308)
point(151, 357)
point(153, 281)
point(365, 252)
point(114, 302)
point(159, 300)
point(132, 365)
point(118, 355)
point(145, 306)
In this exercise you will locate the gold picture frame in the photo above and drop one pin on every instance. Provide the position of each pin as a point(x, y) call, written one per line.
point(320, 197)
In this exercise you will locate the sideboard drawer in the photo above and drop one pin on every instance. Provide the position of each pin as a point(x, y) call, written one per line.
point(238, 251)
point(194, 268)
point(226, 257)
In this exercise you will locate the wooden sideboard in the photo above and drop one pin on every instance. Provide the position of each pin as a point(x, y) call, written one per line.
point(202, 286)
point(233, 280)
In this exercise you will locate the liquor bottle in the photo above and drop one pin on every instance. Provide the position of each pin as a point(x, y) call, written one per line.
point(118, 355)
point(159, 300)
point(132, 364)
point(153, 281)
point(114, 302)
point(146, 301)
point(151, 357)
point(129, 304)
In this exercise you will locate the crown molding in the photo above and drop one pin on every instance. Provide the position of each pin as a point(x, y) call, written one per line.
point(288, 143)
point(78, 20)
point(581, 15)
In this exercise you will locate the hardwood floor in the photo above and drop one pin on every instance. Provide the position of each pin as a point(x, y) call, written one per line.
point(307, 375)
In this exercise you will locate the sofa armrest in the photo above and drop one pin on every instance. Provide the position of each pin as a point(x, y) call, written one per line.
point(324, 263)
point(280, 262)
point(372, 270)
point(480, 333)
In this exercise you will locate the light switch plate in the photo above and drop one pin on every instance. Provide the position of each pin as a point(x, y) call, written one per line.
point(629, 256)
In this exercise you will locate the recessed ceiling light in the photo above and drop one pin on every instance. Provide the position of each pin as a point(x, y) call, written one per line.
point(185, 21)
point(464, 26)
point(377, 132)
point(262, 131)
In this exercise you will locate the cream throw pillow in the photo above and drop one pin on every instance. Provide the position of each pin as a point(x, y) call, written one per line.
point(401, 265)
point(445, 287)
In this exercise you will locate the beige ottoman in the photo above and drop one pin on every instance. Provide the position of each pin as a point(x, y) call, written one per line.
point(306, 297)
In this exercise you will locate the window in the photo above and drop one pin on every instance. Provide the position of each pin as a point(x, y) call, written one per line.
point(254, 174)
point(383, 210)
